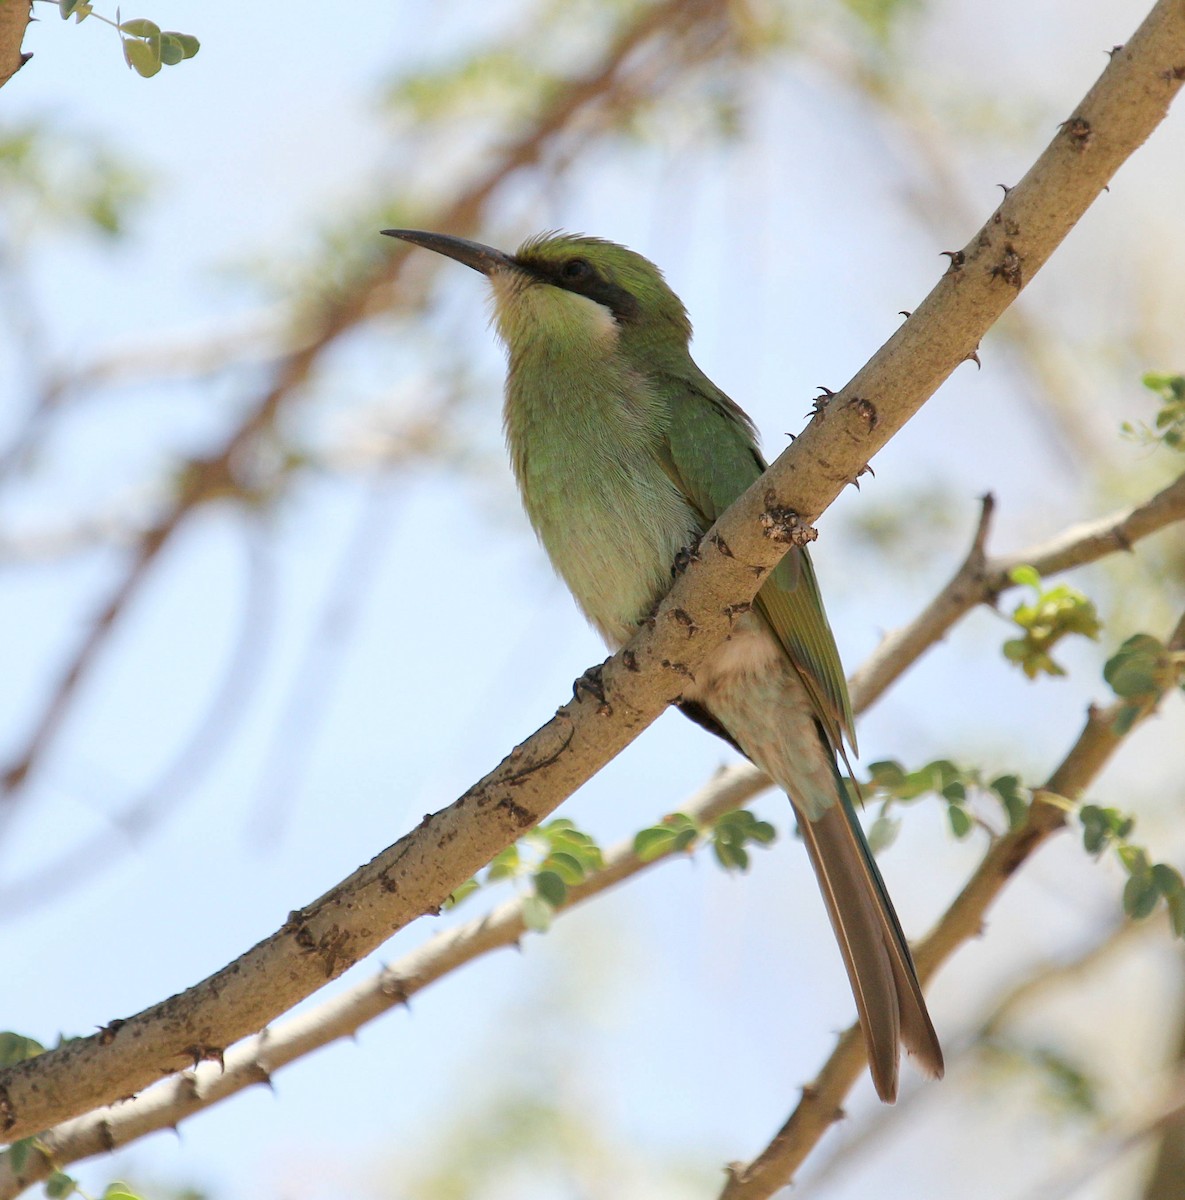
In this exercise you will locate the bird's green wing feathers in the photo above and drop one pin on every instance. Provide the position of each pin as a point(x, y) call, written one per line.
point(712, 457)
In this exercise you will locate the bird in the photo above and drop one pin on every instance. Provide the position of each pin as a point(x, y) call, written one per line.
point(625, 453)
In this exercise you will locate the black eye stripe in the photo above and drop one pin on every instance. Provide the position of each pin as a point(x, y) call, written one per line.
point(580, 276)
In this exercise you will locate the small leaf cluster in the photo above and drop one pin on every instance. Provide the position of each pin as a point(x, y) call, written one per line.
point(1049, 616)
point(1147, 882)
point(730, 836)
point(1067, 1085)
point(550, 859)
point(146, 47)
point(59, 1185)
point(956, 785)
point(1140, 672)
point(1168, 427)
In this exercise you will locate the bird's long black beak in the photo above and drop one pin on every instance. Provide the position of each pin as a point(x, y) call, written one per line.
point(481, 258)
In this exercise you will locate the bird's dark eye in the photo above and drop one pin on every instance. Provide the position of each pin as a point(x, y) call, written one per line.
point(576, 268)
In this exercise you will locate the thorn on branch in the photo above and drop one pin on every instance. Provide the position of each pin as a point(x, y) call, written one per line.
point(819, 404)
point(107, 1032)
point(685, 619)
point(201, 1054)
point(720, 544)
point(679, 668)
point(957, 259)
point(591, 682)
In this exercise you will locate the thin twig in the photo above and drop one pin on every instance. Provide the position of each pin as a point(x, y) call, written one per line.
point(822, 1100)
point(415, 875)
point(257, 1058)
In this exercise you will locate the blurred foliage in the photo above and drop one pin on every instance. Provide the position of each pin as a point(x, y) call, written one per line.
point(1140, 672)
point(1067, 1087)
point(57, 177)
point(1052, 614)
point(908, 528)
point(1168, 426)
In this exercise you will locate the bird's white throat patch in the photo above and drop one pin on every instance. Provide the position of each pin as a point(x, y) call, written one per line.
point(523, 307)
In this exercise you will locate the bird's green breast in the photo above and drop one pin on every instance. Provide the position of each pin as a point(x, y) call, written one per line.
point(585, 435)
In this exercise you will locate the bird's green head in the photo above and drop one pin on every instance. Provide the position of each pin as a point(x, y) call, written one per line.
point(563, 289)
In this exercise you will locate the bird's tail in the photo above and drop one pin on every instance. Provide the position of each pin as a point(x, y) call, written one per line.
point(884, 982)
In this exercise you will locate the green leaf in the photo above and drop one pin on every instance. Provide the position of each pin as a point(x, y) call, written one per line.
point(653, 842)
point(1026, 577)
point(960, 821)
point(141, 57)
point(882, 833)
point(18, 1154)
point(463, 892)
point(505, 865)
point(685, 838)
point(188, 43)
point(536, 913)
point(119, 1191)
point(551, 888)
point(731, 855)
point(886, 774)
point(1167, 879)
point(16, 1048)
point(567, 866)
point(1176, 907)
point(140, 28)
point(59, 1184)
point(1140, 668)
point(1014, 798)
point(171, 51)
point(1139, 896)
point(763, 832)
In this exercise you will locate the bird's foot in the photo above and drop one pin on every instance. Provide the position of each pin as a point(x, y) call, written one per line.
point(591, 683)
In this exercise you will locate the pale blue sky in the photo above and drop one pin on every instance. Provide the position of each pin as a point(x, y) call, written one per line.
point(693, 1004)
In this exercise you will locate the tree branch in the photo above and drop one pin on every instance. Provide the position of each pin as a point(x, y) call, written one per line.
point(15, 16)
point(821, 1103)
point(414, 876)
point(980, 580)
point(256, 1059)
point(216, 476)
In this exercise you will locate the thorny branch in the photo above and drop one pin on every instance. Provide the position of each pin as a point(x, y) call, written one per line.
point(221, 472)
point(256, 1059)
point(822, 1100)
point(981, 580)
point(415, 875)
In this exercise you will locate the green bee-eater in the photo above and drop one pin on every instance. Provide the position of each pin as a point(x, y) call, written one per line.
point(625, 453)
